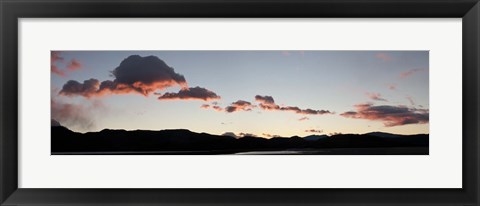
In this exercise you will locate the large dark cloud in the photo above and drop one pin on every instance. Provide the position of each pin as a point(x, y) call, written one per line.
point(147, 74)
point(268, 103)
point(141, 75)
point(390, 115)
point(195, 93)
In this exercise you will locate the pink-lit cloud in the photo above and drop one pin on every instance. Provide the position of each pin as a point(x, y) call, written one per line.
point(392, 86)
point(195, 93)
point(375, 96)
point(410, 72)
point(268, 103)
point(74, 65)
point(390, 115)
point(384, 56)
point(139, 75)
point(239, 105)
point(87, 89)
point(214, 107)
point(54, 59)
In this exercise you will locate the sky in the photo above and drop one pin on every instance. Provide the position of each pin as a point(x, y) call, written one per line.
point(262, 93)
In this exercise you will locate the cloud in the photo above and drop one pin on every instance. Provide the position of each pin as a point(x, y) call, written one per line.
point(314, 130)
point(239, 105)
point(145, 75)
point(230, 134)
point(111, 87)
point(87, 89)
point(304, 111)
point(74, 116)
point(384, 56)
point(390, 115)
point(334, 133)
point(195, 93)
point(241, 134)
point(267, 103)
point(74, 65)
point(140, 75)
point(375, 96)
point(54, 59)
point(270, 135)
point(392, 86)
point(213, 106)
point(217, 108)
point(410, 72)
point(264, 99)
point(410, 99)
point(93, 87)
point(303, 119)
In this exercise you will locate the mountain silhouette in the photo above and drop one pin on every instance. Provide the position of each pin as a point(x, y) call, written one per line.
point(315, 137)
point(182, 141)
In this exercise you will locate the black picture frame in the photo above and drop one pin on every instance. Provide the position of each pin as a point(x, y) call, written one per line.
point(12, 10)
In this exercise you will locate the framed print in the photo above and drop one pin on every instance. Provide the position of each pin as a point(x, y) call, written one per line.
point(258, 102)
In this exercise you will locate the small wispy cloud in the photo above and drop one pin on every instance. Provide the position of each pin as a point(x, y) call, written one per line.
point(375, 96)
point(314, 130)
point(410, 72)
point(303, 119)
point(384, 56)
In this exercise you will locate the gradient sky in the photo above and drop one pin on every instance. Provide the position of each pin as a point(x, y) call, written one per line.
point(346, 91)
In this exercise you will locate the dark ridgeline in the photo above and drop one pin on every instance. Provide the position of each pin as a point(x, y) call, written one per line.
point(181, 141)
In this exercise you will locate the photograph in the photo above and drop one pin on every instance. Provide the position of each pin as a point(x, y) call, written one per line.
point(239, 102)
